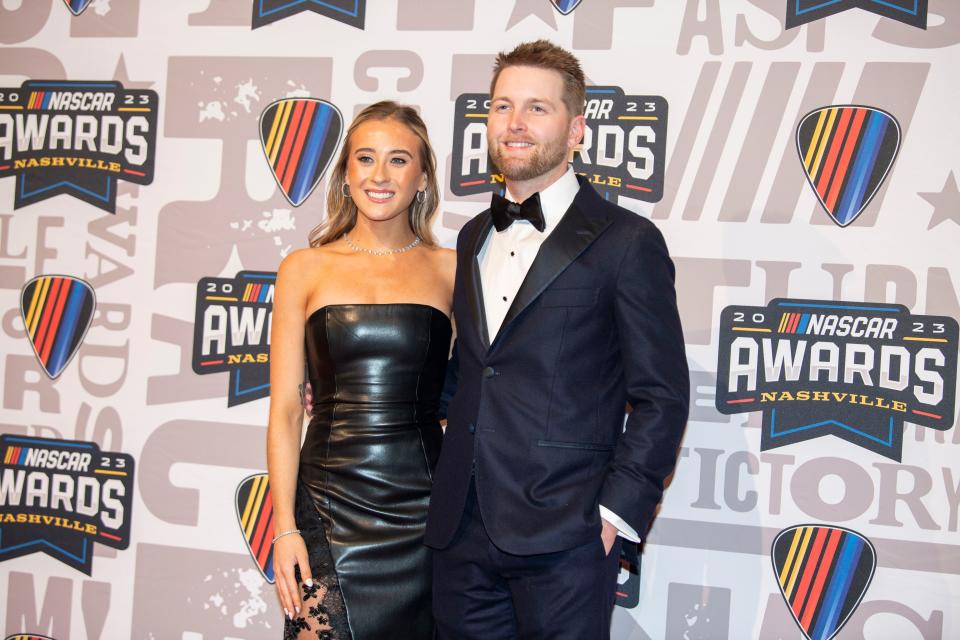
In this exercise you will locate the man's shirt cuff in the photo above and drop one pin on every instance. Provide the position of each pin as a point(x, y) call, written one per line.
point(626, 531)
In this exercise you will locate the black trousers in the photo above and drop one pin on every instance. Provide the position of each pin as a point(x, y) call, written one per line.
point(483, 593)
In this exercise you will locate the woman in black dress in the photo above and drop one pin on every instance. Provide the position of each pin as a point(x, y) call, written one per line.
point(367, 308)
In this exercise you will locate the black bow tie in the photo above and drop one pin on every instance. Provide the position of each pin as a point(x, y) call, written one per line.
point(505, 212)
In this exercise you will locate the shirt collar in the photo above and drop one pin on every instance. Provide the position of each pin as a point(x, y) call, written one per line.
point(556, 199)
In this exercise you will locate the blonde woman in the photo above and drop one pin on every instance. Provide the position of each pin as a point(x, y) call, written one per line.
point(367, 308)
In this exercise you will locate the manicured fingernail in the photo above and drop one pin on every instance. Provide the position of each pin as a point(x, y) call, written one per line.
point(309, 582)
point(298, 610)
point(288, 613)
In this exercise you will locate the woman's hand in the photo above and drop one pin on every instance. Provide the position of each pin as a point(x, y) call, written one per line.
point(290, 552)
point(306, 398)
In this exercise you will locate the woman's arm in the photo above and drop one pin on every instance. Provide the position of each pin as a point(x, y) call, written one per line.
point(285, 425)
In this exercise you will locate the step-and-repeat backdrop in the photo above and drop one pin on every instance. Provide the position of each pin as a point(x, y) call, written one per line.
point(159, 159)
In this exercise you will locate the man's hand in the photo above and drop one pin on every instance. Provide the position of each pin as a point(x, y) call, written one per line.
point(608, 535)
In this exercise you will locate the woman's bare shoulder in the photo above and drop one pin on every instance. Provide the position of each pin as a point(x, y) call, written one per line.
point(446, 257)
point(444, 261)
point(308, 259)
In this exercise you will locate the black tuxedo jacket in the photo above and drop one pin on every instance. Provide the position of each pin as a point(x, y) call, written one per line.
point(538, 414)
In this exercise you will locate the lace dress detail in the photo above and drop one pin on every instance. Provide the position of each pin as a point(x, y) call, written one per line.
point(322, 614)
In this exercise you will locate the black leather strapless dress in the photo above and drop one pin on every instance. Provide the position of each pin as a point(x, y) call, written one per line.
point(367, 461)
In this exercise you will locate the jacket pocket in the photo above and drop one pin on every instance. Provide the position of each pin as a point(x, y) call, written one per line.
point(569, 297)
point(589, 446)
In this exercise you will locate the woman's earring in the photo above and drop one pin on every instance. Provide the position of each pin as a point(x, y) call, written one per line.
point(345, 190)
point(421, 196)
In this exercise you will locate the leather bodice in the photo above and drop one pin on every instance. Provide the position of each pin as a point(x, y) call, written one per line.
point(379, 364)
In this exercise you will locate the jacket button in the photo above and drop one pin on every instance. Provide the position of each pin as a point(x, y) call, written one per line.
point(489, 372)
point(472, 428)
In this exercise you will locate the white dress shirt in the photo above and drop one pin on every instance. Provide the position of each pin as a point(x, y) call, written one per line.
point(506, 257)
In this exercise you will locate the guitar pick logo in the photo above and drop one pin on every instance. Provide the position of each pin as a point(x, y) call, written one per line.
point(299, 137)
point(255, 514)
point(56, 312)
point(565, 6)
point(847, 152)
point(911, 12)
point(823, 573)
point(77, 6)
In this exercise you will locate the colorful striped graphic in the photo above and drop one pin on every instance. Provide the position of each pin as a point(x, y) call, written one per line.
point(255, 514)
point(77, 6)
point(56, 311)
point(823, 573)
point(15, 455)
point(565, 6)
point(793, 323)
point(299, 137)
point(847, 152)
point(257, 292)
point(27, 636)
point(38, 100)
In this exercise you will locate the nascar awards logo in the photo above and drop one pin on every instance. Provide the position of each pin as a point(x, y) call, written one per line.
point(854, 370)
point(349, 12)
point(911, 12)
point(847, 151)
point(77, 138)
point(823, 573)
point(61, 496)
point(622, 153)
point(232, 332)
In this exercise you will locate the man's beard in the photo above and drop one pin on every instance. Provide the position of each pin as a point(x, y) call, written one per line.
point(545, 158)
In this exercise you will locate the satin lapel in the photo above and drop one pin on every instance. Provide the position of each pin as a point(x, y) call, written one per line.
point(575, 232)
point(478, 314)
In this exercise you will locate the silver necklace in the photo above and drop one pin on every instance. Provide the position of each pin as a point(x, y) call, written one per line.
point(379, 252)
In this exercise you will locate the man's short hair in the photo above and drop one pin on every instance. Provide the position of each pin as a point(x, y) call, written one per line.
point(543, 54)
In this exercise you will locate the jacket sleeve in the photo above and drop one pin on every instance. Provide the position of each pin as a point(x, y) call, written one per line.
point(657, 381)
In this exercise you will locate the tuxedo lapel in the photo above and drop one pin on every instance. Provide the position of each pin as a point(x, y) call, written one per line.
point(574, 233)
point(478, 314)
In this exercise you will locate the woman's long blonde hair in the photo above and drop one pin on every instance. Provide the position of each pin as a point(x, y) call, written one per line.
point(341, 210)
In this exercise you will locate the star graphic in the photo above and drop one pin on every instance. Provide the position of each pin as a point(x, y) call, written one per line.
point(946, 202)
point(540, 8)
point(121, 75)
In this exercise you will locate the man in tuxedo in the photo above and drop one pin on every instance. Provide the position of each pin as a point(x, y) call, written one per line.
point(566, 313)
